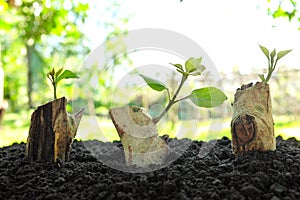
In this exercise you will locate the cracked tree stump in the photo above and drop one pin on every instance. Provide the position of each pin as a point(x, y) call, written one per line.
point(51, 132)
point(139, 136)
point(252, 126)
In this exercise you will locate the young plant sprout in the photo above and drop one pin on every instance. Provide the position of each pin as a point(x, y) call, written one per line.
point(207, 97)
point(52, 120)
point(272, 62)
point(56, 76)
point(252, 124)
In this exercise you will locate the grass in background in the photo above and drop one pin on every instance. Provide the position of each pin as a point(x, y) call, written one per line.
point(287, 126)
point(15, 129)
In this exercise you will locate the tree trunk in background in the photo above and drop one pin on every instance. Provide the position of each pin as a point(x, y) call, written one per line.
point(3, 103)
point(51, 133)
point(252, 126)
point(29, 50)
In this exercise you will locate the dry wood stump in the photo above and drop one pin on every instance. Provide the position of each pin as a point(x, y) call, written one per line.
point(252, 126)
point(51, 132)
point(139, 136)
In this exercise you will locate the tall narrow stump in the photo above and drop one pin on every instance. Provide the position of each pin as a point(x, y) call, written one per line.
point(252, 126)
point(51, 132)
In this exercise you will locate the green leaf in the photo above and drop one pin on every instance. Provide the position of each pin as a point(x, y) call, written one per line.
point(207, 97)
point(179, 66)
point(265, 51)
point(183, 72)
point(262, 77)
point(192, 64)
point(65, 75)
point(273, 53)
point(51, 72)
point(282, 53)
point(59, 72)
point(154, 84)
point(198, 71)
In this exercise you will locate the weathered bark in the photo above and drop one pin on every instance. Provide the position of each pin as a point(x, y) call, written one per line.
point(252, 126)
point(139, 136)
point(51, 132)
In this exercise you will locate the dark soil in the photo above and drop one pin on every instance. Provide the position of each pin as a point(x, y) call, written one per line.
point(218, 175)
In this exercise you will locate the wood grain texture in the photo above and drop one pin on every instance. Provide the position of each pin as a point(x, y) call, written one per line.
point(139, 136)
point(51, 132)
point(252, 126)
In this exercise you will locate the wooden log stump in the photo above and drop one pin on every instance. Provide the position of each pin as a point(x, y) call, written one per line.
point(139, 136)
point(51, 132)
point(252, 126)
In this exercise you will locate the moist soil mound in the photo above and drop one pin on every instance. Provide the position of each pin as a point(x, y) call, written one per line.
point(217, 175)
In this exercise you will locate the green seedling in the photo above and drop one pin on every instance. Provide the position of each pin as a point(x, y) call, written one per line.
point(207, 97)
point(272, 62)
point(56, 76)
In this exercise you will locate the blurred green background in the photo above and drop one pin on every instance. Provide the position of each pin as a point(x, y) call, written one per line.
point(38, 35)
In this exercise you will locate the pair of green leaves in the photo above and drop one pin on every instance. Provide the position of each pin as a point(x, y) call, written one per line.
point(56, 76)
point(192, 66)
point(272, 62)
point(207, 97)
point(60, 74)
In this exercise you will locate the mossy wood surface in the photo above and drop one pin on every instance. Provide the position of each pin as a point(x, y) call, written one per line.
point(252, 126)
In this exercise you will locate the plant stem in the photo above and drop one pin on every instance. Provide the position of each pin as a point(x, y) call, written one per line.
point(169, 96)
point(184, 98)
point(270, 72)
point(268, 77)
point(172, 101)
point(54, 90)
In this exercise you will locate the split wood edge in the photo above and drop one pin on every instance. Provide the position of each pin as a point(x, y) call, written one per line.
point(52, 132)
point(139, 136)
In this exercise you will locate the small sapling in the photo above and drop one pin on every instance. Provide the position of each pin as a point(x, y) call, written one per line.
point(56, 76)
point(52, 128)
point(272, 61)
point(137, 129)
point(207, 97)
point(252, 125)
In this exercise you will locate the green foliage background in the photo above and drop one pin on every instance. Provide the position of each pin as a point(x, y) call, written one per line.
point(35, 36)
point(38, 35)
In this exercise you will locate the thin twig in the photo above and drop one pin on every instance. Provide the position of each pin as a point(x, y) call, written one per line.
point(172, 101)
